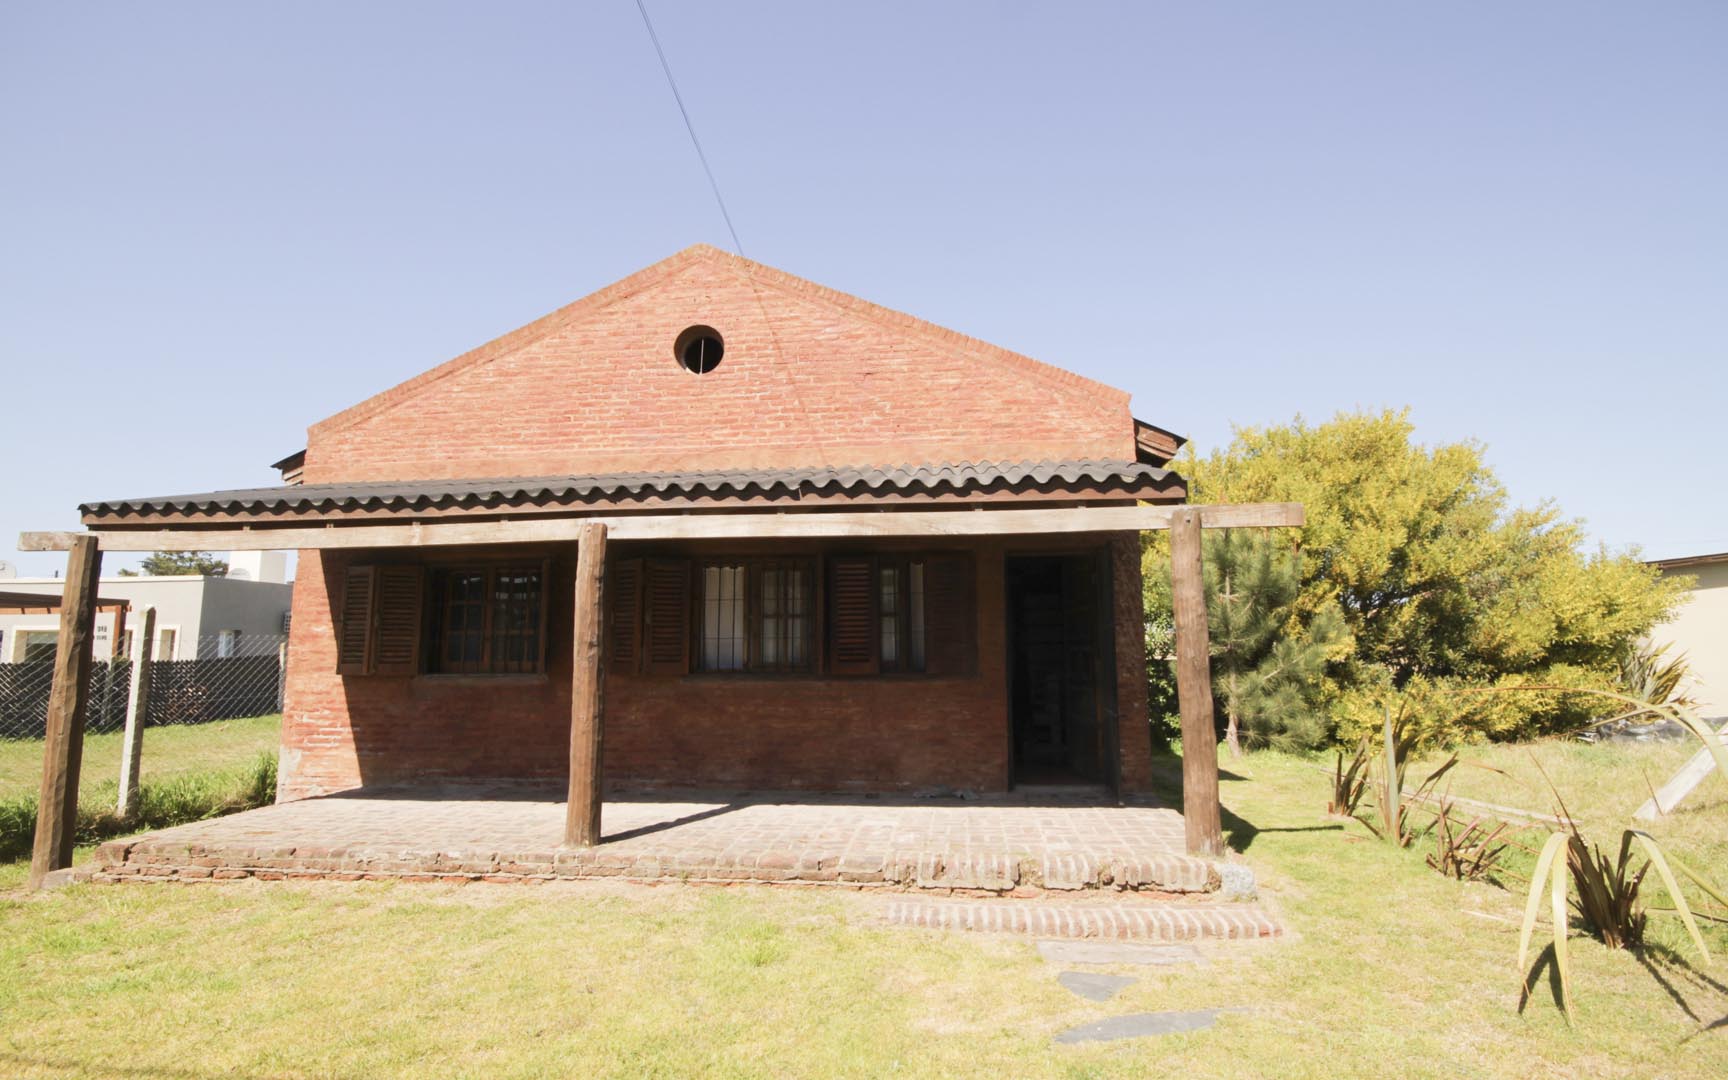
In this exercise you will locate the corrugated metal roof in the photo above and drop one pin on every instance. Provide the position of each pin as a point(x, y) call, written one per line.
point(408, 494)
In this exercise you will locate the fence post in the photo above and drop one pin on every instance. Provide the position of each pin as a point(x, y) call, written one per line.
point(137, 712)
point(282, 675)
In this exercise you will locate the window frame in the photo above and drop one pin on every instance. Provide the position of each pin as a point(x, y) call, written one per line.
point(433, 660)
point(754, 615)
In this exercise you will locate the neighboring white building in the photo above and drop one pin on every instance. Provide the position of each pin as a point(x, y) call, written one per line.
point(228, 615)
point(1700, 629)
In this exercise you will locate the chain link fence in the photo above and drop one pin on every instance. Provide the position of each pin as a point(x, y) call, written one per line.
point(232, 676)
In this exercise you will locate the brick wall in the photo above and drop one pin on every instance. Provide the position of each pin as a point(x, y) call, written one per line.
point(731, 731)
point(790, 732)
point(810, 377)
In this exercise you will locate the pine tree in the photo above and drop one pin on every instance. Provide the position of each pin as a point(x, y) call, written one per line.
point(1267, 663)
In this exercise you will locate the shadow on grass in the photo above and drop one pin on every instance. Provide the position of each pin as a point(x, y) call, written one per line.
point(1544, 959)
point(1240, 833)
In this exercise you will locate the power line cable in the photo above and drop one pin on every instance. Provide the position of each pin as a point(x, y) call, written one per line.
point(688, 126)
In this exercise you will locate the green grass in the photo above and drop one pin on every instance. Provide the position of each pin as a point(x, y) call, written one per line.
point(187, 774)
point(188, 748)
point(1388, 970)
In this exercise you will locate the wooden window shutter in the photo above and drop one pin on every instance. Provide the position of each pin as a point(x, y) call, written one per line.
point(666, 616)
point(624, 616)
point(396, 628)
point(852, 630)
point(950, 616)
point(354, 622)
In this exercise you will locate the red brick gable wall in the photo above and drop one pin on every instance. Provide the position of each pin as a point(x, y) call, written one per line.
point(810, 377)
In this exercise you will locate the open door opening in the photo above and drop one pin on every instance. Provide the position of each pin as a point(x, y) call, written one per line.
point(1053, 660)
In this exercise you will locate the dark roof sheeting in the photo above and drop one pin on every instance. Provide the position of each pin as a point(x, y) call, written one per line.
point(619, 487)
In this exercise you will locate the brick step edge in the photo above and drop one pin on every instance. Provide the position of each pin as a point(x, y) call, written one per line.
point(1140, 922)
point(140, 859)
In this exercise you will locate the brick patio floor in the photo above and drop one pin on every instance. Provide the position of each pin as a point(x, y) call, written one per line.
point(992, 845)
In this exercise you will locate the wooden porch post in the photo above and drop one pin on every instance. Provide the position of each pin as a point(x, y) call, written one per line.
point(582, 817)
point(63, 747)
point(1194, 688)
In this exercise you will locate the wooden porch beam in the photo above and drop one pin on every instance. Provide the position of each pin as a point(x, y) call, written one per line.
point(587, 702)
point(1200, 811)
point(63, 746)
point(722, 526)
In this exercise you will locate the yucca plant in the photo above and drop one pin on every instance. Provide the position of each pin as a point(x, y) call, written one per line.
point(1607, 895)
point(1393, 824)
point(1470, 853)
point(1350, 782)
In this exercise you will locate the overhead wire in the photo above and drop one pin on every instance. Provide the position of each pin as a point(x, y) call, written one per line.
point(690, 127)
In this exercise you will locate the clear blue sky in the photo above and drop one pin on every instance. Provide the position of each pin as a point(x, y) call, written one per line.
point(220, 223)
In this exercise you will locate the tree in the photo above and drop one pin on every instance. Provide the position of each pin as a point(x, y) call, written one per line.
point(1268, 663)
point(181, 563)
point(1436, 580)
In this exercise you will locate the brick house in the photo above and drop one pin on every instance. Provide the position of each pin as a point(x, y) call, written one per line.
point(848, 550)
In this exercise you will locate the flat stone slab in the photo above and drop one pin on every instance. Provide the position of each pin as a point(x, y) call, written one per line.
point(1094, 986)
point(1139, 1026)
point(1119, 952)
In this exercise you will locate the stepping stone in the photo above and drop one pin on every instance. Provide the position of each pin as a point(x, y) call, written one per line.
point(1118, 952)
point(1095, 987)
point(1139, 1026)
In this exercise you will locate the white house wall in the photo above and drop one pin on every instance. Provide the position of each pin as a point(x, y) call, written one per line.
point(1701, 631)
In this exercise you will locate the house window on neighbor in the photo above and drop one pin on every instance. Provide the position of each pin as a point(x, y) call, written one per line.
point(227, 644)
point(900, 614)
point(490, 620)
point(757, 615)
point(165, 640)
point(36, 645)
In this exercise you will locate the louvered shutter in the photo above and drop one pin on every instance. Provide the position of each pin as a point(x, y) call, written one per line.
point(624, 616)
point(852, 630)
point(950, 616)
point(396, 641)
point(666, 616)
point(354, 622)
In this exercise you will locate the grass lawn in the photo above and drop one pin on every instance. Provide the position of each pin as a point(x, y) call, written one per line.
point(187, 772)
point(168, 751)
point(1388, 970)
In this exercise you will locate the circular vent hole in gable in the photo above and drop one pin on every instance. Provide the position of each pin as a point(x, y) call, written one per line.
point(699, 349)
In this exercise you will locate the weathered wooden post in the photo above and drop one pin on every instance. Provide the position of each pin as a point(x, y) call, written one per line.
point(582, 816)
point(1200, 811)
point(137, 711)
point(63, 747)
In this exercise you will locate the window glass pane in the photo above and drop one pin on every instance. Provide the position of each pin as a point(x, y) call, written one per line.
point(888, 607)
point(723, 618)
point(797, 621)
point(915, 616)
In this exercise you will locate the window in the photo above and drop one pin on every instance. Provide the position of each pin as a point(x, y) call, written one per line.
point(36, 645)
point(165, 644)
point(227, 644)
point(699, 349)
point(489, 620)
point(755, 615)
point(900, 614)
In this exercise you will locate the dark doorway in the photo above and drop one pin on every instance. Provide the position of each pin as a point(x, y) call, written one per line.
point(1053, 613)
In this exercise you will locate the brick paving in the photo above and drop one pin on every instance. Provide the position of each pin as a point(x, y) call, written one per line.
point(1136, 922)
point(988, 846)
